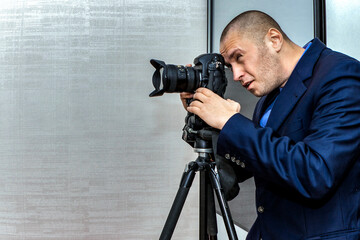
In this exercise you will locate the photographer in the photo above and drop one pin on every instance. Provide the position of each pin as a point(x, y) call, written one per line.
point(303, 144)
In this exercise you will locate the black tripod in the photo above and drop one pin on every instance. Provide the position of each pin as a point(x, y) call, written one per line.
point(208, 184)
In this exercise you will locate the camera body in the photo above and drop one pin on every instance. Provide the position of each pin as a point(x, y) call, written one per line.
point(208, 72)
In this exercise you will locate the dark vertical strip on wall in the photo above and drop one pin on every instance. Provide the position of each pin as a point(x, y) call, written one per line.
point(209, 26)
point(320, 20)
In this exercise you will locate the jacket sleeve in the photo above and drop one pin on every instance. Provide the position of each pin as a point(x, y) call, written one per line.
point(314, 166)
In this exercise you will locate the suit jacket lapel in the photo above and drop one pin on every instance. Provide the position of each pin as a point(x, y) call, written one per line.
point(259, 110)
point(286, 101)
point(293, 90)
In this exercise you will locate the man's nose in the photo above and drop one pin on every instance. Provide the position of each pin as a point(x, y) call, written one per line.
point(238, 73)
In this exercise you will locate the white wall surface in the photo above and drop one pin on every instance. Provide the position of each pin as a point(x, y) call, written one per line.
point(343, 31)
point(84, 152)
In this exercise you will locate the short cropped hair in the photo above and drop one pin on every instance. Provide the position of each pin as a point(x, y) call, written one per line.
point(254, 25)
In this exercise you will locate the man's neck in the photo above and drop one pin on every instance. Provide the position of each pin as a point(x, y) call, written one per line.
point(290, 57)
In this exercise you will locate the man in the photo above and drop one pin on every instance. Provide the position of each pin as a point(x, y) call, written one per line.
point(303, 145)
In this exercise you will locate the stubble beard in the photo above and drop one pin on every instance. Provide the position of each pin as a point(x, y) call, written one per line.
point(270, 71)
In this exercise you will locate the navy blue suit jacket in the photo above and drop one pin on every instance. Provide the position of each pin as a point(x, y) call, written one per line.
point(306, 161)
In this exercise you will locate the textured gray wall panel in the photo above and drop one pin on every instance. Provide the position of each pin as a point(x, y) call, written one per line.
point(84, 152)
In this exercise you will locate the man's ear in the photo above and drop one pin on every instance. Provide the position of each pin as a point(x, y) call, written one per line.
point(275, 39)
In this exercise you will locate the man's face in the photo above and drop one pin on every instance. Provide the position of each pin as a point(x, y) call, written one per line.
point(257, 68)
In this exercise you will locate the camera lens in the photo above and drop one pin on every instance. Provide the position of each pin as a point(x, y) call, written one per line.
point(177, 78)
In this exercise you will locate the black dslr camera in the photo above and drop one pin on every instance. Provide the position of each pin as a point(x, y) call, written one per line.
point(208, 72)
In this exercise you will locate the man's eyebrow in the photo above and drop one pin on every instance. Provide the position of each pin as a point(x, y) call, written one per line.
point(230, 57)
point(233, 53)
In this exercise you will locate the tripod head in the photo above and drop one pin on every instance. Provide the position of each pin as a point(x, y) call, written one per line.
point(197, 133)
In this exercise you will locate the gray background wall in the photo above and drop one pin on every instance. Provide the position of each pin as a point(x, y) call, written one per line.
point(84, 152)
point(342, 19)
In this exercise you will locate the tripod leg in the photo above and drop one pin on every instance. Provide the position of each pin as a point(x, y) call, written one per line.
point(208, 225)
point(224, 207)
point(174, 214)
point(211, 218)
point(207, 217)
point(203, 206)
